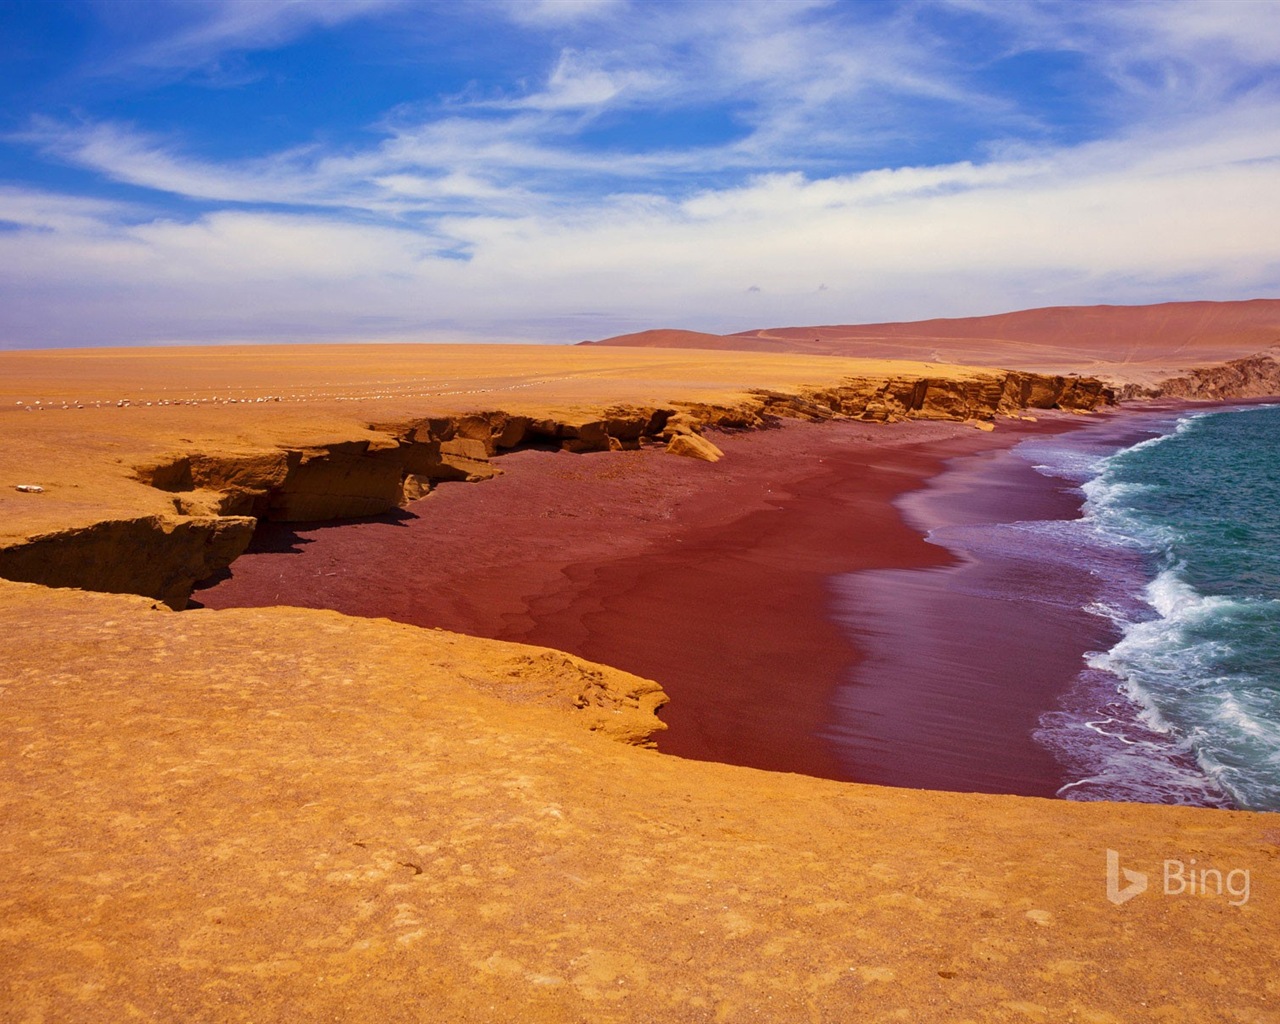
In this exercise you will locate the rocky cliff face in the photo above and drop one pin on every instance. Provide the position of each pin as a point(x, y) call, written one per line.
point(156, 556)
point(219, 496)
point(348, 479)
point(980, 398)
point(404, 460)
point(1255, 376)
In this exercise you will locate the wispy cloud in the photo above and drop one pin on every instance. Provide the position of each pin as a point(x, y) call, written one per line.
point(857, 163)
point(34, 210)
point(552, 13)
point(798, 92)
point(1124, 221)
point(185, 35)
point(1161, 57)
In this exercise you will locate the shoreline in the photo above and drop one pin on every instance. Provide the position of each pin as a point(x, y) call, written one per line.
point(714, 581)
point(962, 660)
point(972, 670)
point(303, 796)
point(308, 814)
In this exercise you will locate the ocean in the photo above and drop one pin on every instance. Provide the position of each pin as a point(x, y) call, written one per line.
point(1181, 532)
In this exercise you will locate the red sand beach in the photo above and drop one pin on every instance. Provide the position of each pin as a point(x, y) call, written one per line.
point(212, 811)
point(714, 579)
point(959, 661)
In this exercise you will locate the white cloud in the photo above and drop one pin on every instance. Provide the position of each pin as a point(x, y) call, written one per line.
point(560, 12)
point(36, 210)
point(1244, 33)
point(448, 163)
point(564, 240)
point(803, 89)
point(238, 248)
point(179, 35)
point(1151, 217)
point(580, 81)
point(126, 155)
point(1165, 57)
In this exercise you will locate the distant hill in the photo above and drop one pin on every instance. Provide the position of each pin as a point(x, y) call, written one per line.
point(1125, 342)
point(670, 338)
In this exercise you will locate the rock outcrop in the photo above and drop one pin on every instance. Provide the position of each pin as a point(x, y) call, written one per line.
point(155, 556)
point(694, 447)
point(402, 461)
point(219, 495)
point(593, 697)
point(1255, 376)
point(606, 700)
point(983, 397)
point(980, 397)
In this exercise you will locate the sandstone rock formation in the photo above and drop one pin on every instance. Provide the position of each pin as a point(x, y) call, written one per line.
point(157, 556)
point(216, 488)
point(1256, 376)
point(695, 447)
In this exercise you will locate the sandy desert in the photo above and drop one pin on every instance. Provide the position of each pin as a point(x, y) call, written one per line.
point(511, 713)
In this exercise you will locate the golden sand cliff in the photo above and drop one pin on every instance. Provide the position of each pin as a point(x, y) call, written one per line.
point(289, 814)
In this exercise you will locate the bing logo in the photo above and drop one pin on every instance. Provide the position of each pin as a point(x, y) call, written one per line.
point(1180, 879)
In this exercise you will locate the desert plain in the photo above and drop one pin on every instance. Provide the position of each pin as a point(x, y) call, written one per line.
point(434, 807)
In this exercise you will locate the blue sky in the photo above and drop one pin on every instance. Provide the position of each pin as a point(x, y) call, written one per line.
point(221, 170)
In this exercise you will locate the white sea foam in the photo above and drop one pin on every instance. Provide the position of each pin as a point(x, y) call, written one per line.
point(1175, 711)
point(1105, 611)
point(1232, 712)
point(1170, 667)
point(1172, 712)
point(1174, 664)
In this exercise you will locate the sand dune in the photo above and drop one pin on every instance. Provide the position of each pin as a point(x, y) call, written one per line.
point(1124, 343)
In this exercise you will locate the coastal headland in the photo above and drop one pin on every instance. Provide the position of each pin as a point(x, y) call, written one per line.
point(1195, 349)
point(258, 812)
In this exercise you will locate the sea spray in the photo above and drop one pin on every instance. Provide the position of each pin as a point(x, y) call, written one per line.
point(1182, 529)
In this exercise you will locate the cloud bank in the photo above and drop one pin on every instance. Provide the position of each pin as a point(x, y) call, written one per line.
point(604, 167)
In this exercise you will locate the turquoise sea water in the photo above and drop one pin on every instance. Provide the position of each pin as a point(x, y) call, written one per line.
point(1183, 530)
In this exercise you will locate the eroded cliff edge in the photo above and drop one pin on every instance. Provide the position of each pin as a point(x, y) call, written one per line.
point(220, 493)
point(288, 814)
point(1255, 376)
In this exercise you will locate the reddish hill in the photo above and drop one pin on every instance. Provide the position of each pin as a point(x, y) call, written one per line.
point(1132, 342)
point(671, 338)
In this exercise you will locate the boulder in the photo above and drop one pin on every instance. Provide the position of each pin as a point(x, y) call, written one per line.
point(460, 458)
point(694, 447)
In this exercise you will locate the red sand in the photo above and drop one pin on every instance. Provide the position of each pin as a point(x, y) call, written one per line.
point(714, 579)
point(1167, 334)
point(961, 661)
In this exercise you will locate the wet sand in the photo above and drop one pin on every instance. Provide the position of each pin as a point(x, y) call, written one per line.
point(959, 661)
point(716, 580)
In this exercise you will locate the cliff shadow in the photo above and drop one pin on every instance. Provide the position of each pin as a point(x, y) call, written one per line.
point(289, 538)
point(281, 538)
